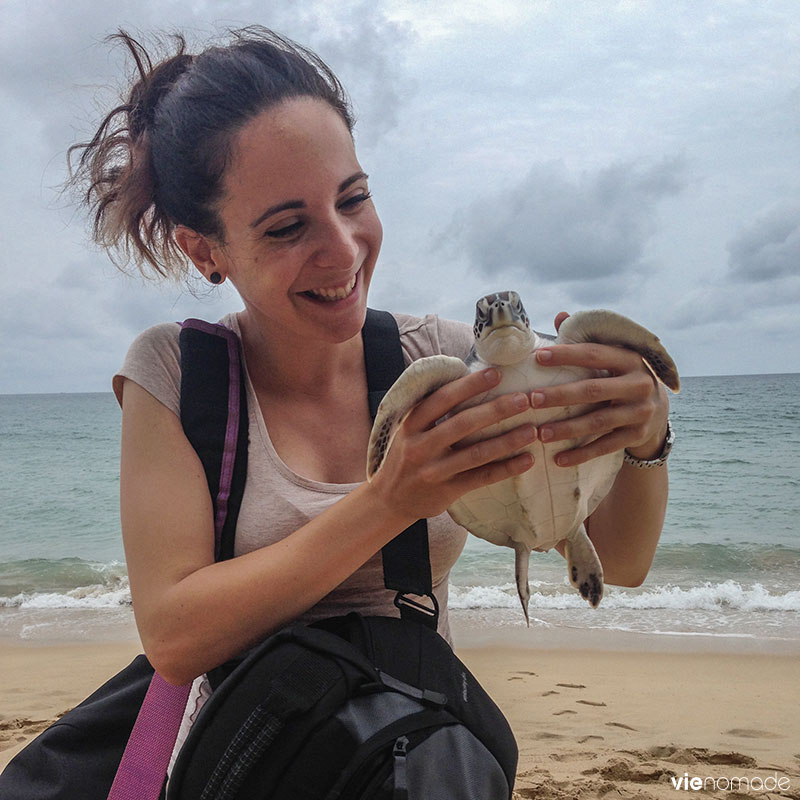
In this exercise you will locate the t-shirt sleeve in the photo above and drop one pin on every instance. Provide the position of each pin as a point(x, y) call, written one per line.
point(430, 335)
point(153, 361)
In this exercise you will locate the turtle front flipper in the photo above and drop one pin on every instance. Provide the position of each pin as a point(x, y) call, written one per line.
point(421, 378)
point(583, 566)
point(608, 327)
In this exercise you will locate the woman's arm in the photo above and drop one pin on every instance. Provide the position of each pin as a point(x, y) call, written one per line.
point(633, 412)
point(194, 614)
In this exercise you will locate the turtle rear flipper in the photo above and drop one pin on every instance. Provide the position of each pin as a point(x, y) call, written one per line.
point(608, 327)
point(421, 378)
point(583, 566)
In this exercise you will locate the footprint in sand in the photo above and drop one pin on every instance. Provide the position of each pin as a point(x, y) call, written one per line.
point(750, 733)
point(624, 770)
point(19, 729)
point(565, 711)
point(584, 739)
point(591, 703)
point(620, 725)
point(581, 755)
point(571, 685)
point(700, 755)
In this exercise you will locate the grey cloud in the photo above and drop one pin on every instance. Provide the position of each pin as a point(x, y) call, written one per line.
point(768, 248)
point(559, 228)
point(367, 51)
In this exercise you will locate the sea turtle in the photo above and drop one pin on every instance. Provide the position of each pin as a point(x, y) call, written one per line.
point(546, 504)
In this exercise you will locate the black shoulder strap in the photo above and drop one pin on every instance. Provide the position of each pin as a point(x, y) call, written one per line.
point(406, 558)
point(213, 407)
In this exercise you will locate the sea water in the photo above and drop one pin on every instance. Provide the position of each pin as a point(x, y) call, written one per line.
point(727, 566)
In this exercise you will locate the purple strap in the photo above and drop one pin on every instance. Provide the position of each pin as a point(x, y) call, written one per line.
point(144, 764)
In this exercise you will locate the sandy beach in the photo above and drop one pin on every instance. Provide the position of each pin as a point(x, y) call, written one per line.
point(589, 722)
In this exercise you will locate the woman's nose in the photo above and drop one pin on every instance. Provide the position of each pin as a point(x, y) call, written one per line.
point(338, 246)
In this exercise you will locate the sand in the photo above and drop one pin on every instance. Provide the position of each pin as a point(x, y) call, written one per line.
point(589, 722)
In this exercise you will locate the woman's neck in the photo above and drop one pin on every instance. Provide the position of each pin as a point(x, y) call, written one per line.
point(288, 366)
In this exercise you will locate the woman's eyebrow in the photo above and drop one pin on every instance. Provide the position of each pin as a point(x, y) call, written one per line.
point(295, 204)
point(276, 209)
point(346, 184)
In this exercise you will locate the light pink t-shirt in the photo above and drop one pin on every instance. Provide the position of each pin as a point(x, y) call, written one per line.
point(277, 501)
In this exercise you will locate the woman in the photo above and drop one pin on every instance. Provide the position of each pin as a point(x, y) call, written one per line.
point(240, 162)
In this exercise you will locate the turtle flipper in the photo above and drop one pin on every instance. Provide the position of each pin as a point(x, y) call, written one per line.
point(521, 575)
point(608, 327)
point(421, 378)
point(583, 566)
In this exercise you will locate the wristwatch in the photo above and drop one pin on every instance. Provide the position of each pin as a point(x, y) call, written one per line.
point(660, 460)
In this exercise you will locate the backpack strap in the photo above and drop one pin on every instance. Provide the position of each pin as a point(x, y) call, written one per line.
point(213, 408)
point(406, 558)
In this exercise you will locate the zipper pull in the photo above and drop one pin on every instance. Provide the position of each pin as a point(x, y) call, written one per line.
point(400, 754)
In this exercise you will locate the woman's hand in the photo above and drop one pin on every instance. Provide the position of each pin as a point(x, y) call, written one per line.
point(633, 405)
point(429, 466)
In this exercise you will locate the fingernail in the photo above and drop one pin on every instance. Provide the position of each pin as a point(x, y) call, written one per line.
point(530, 433)
point(492, 375)
point(537, 398)
point(562, 460)
point(543, 356)
point(520, 401)
point(545, 434)
point(525, 461)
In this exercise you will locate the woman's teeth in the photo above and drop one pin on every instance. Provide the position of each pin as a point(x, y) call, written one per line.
point(339, 293)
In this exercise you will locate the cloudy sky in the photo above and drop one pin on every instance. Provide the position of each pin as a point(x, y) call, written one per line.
point(638, 156)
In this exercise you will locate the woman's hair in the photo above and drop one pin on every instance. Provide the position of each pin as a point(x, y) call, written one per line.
point(158, 160)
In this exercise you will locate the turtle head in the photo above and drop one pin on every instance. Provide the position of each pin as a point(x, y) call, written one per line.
point(503, 333)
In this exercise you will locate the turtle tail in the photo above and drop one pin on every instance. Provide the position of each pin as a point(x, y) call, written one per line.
point(521, 575)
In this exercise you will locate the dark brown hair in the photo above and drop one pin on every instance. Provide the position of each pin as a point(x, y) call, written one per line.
point(158, 159)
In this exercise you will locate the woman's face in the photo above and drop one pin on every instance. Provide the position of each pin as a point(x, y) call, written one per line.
point(301, 232)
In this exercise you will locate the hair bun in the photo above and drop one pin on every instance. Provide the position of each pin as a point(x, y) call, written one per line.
point(154, 84)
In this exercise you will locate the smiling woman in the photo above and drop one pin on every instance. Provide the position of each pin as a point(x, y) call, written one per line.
point(239, 162)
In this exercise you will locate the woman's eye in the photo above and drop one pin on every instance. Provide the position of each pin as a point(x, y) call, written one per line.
point(355, 201)
point(286, 231)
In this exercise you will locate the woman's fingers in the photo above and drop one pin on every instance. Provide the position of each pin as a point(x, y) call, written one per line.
point(630, 407)
point(489, 451)
point(447, 397)
point(445, 450)
point(471, 420)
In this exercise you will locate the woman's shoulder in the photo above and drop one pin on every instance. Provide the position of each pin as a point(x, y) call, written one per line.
point(153, 361)
point(432, 335)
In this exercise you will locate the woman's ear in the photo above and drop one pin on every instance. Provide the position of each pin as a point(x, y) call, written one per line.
point(200, 250)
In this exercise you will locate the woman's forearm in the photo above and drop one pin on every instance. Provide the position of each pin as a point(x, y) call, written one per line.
point(626, 526)
point(216, 612)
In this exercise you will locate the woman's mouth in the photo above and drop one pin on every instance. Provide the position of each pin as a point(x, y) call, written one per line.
point(331, 294)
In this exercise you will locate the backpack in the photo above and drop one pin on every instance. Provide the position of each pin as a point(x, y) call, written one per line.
point(355, 708)
point(352, 707)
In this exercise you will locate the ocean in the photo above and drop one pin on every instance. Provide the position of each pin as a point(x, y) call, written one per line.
point(727, 568)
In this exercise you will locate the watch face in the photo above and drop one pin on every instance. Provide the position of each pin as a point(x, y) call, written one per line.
point(670, 440)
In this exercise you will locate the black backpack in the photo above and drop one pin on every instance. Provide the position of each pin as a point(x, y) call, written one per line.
point(357, 708)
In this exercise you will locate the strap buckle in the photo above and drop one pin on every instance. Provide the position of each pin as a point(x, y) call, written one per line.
point(412, 609)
